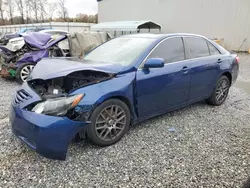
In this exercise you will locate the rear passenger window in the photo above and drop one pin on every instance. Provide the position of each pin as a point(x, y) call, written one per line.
point(196, 47)
point(171, 50)
point(213, 50)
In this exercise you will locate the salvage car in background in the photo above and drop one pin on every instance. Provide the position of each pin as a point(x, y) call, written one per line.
point(5, 39)
point(18, 57)
point(19, 63)
point(16, 44)
point(123, 81)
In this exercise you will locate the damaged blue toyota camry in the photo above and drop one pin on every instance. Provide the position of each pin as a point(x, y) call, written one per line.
point(123, 81)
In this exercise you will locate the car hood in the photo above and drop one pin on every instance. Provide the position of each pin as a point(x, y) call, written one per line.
point(57, 67)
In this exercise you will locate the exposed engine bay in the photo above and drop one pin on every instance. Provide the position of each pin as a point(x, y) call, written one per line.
point(63, 85)
point(8, 57)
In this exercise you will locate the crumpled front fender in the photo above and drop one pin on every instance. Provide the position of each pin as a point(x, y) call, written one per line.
point(33, 57)
point(122, 86)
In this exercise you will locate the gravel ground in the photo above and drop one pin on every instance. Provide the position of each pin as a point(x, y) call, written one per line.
point(209, 148)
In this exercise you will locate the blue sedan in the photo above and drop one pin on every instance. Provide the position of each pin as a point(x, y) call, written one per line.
point(125, 80)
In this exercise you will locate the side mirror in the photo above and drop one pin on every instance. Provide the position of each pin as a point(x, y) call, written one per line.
point(154, 63)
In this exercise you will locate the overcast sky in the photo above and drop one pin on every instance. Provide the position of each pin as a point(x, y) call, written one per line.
point(80, 6)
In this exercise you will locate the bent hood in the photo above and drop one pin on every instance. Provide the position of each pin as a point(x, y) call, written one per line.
point(42, 40)
point(57, 67)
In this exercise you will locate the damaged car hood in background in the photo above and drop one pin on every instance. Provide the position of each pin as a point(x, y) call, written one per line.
point(58, 67)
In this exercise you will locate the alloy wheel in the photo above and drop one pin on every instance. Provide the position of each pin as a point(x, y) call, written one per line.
point(222, 90)
point(25, 72)
point(110, 123)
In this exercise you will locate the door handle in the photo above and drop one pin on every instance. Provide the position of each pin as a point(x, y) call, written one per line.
point(219, 61)
point(185, 69)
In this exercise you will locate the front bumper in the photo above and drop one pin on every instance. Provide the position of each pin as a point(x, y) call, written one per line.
point(49, 136)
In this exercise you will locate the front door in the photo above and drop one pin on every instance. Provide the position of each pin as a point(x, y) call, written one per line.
point(159, 89)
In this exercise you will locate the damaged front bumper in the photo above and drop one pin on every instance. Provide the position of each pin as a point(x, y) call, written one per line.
point(49, 136)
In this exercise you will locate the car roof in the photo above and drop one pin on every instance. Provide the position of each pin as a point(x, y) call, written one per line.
point(161, 36)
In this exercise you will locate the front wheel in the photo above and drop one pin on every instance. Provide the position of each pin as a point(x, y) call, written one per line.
point(220, 92)
point(109, 122)
point(23, 72)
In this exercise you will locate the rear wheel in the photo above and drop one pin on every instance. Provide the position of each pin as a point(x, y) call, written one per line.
point(220, 92)
point(109, 122)
point(23, 72)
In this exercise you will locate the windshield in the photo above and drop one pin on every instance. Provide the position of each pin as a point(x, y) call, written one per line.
point(122, 50)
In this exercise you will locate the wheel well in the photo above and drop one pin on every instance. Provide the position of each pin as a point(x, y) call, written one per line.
point(228, 75)
point(82, 134)
point(127, 102)
point(123, 99)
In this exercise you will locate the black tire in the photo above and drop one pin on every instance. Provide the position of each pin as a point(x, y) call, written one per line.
point(19, 76)
point(92, 132)
point(213, 99)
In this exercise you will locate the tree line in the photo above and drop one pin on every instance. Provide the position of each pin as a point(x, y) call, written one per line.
point(37, 11)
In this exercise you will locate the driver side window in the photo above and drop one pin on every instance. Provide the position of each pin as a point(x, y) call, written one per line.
point(171, 50)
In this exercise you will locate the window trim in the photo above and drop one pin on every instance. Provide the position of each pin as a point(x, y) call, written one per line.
point(143, 62)
point(198, 38)
point(208, 49)
point(209, 43)
point(185, 55)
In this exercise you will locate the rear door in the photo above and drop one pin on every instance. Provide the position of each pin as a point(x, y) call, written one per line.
point(204, 63)
point(159, 89)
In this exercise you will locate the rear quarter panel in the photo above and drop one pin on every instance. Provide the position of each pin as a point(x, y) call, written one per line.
point(229, 65)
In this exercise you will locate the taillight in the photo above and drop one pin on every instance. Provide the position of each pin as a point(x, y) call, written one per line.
point(237, 59)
